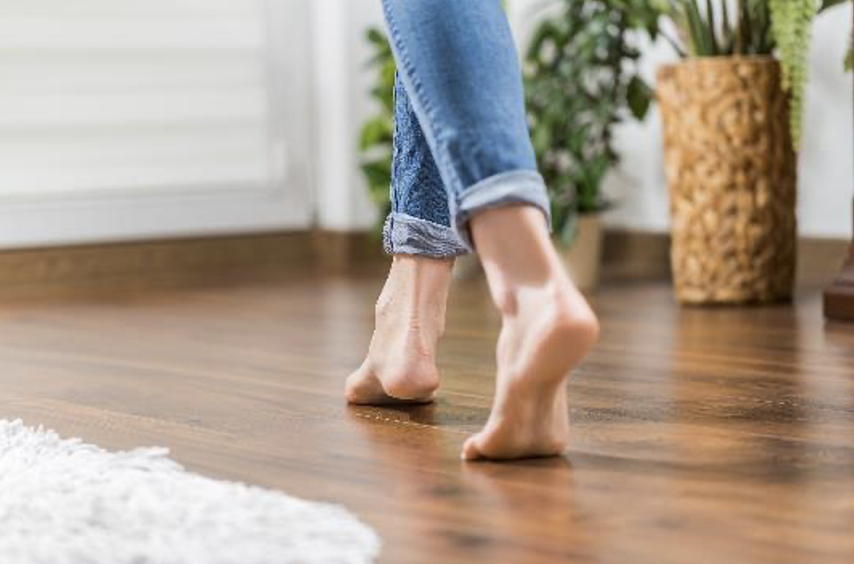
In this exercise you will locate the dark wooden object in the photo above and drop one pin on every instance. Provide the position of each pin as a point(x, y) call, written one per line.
point(698, 435)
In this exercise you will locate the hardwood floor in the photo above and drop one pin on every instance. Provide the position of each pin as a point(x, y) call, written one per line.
point(699, 435)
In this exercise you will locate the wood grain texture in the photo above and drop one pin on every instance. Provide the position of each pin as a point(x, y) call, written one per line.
point(170, 263)
point(698, 435)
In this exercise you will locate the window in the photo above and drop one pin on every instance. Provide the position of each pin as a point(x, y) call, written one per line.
point(122, 119)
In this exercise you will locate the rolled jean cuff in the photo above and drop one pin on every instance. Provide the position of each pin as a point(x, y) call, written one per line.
point(516, 187)
point(408, 235)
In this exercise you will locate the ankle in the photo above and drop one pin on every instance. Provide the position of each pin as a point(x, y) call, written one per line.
point(566, 308)
point(412, 315)
point(416, 290)
point(420, 267)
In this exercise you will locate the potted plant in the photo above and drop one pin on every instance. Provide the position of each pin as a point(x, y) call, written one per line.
point(731, 111)
point(376, 140)
point(581, 81)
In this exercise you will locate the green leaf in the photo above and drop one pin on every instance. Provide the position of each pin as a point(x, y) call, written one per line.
point(791, 24)
point(541, 139)
point(376, 37)
point(830, 3)
point(849, 58)
point(375, 140)
point(378, 175)
point(376, 131)
point(703, 45)
point(710, 23)
point(639, 96)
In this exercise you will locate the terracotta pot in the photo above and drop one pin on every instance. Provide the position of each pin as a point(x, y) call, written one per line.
point(731, 172)
point(583, 256)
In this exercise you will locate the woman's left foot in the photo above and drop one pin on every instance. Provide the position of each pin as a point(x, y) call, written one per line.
point(400, 366)
point(544, 334)
point(547, 328)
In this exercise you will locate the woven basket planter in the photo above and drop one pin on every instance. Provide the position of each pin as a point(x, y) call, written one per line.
point(731, 172)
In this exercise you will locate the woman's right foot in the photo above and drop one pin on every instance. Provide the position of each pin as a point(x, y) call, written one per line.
point(400, 366)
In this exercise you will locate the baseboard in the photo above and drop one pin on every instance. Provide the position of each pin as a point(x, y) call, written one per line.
point(627, 255)
point(820, 259)
point(96, 268)
point(636, 255)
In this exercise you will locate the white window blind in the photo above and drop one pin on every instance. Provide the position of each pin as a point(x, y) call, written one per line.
point(126, 119)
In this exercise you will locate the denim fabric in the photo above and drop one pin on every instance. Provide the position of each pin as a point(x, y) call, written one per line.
point(460, 116)
point(420, 221)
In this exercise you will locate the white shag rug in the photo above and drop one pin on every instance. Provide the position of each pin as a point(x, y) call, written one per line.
point(66, 502)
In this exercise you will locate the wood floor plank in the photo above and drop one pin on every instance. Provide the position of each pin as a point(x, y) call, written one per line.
point(698, 435)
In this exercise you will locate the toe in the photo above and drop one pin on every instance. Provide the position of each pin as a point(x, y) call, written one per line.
point(362, 387)
point(471, 450)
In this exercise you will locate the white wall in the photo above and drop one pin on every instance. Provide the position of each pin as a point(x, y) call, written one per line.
point(826, 183)
point(341, 105)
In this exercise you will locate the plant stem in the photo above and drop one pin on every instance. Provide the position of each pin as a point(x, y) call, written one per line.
point(738, 39)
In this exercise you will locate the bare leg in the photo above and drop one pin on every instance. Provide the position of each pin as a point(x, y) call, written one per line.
point(410, 318)
point(547, 328)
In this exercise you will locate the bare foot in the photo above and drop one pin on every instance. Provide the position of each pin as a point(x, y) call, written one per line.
point(410, 318)
point(541, 339)
point(547, 328)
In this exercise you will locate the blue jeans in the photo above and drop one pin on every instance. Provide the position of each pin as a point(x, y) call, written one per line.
point(461, 142)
